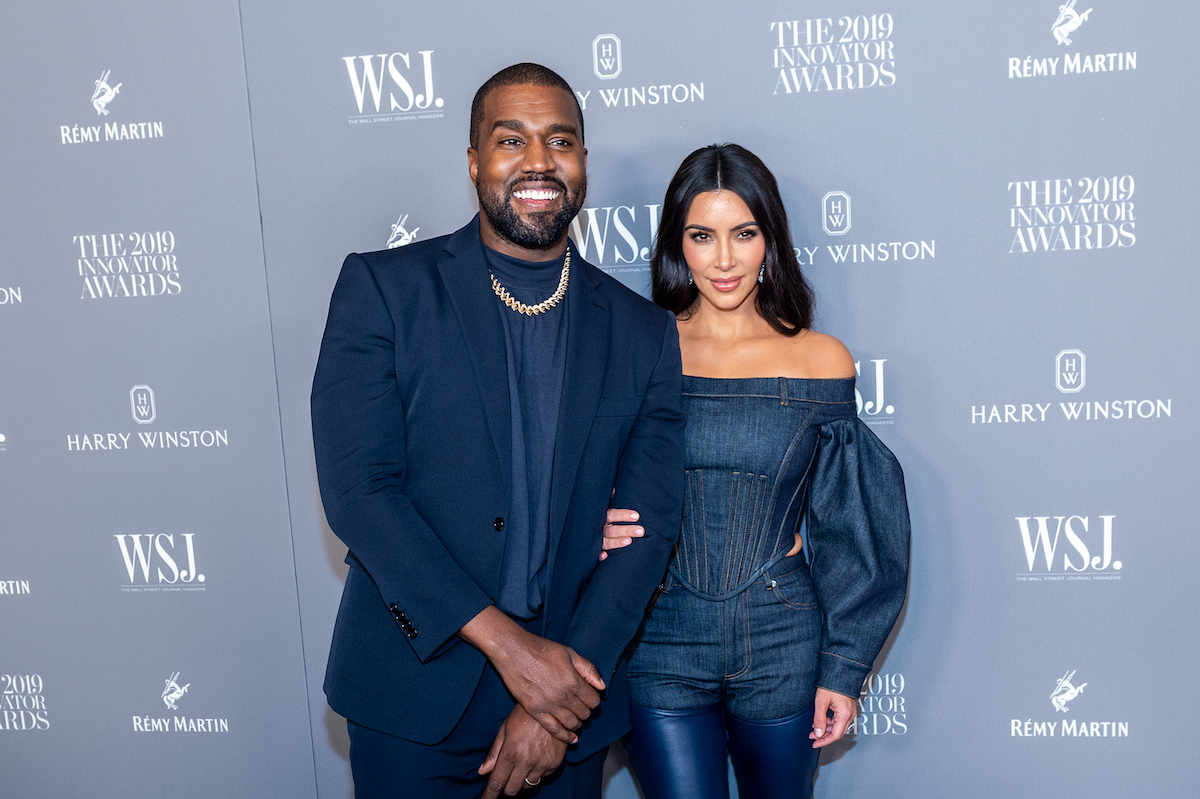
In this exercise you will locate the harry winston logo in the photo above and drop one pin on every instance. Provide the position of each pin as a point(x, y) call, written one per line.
point(141, 403)
point(835, 213)
point(1070, 371)
point(606, 56)
point(104, 94)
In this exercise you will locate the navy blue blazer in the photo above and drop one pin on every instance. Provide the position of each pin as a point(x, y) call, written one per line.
point(410, 413)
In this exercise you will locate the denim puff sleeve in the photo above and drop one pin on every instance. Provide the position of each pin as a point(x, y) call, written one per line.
point(858, 538)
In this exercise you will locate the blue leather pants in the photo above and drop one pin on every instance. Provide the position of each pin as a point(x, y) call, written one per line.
point(680, 754)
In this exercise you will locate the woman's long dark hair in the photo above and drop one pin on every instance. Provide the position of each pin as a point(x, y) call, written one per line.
point(784, 298)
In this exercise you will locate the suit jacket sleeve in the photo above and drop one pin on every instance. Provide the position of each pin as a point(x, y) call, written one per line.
point(649, 480)
point(358, 420)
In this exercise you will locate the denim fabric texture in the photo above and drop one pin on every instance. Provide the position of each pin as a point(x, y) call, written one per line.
point(737, 622)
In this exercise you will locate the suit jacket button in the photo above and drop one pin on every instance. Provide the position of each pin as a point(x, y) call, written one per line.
point(411, 634)
point(499, 524)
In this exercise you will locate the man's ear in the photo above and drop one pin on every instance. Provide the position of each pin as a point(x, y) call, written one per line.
point(472, 163)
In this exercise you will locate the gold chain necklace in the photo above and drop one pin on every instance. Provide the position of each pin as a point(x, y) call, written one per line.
point(544, 305)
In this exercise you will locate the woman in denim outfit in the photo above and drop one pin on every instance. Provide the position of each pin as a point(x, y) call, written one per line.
point(757, 645)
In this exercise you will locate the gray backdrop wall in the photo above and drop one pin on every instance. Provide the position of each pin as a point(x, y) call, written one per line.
point(993, 201)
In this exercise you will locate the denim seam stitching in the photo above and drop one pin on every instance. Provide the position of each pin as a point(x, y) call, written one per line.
point(744, 608)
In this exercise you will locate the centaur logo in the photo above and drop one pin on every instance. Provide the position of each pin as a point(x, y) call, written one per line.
point(835, 213)
point(1035, 535)
point(104, 94)
point(371, 75)
point(1068, 22)
point(400, 236)
point(172, 691)
point(1061, 727)
point(1064, 691)
point(606, 56)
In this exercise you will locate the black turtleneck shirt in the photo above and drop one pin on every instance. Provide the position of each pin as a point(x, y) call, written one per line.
point(536, 348)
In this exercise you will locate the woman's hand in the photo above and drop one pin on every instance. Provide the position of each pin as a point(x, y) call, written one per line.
point(826, 730)
point(620, 530)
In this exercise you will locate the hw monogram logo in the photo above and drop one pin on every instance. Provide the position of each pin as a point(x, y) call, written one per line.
point(835, 213)
point(606, 56)
point(1070, 371)
point(141, 403)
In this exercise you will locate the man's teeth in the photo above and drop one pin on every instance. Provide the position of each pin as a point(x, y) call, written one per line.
point(536, 194)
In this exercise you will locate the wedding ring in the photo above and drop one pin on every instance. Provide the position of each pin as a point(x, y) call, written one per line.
point(534, 783)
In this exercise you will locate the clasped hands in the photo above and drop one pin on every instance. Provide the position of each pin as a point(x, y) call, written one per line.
point(556, 691)
point(555, 687)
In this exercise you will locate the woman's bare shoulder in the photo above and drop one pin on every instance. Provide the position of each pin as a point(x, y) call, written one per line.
point(821, 356)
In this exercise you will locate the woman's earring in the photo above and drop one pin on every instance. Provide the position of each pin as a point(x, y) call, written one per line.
point(690, 277)
point(762, 270)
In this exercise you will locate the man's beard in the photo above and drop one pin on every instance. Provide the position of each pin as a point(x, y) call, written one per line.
point(543, 228)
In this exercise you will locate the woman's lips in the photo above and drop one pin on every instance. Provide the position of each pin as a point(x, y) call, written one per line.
point(725, 283)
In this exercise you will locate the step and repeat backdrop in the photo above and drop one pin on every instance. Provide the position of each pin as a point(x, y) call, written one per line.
point(996, 205)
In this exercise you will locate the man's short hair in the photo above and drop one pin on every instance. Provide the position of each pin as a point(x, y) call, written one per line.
point(525, 74)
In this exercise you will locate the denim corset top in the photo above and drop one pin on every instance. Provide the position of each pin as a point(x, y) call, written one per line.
point(751, 446)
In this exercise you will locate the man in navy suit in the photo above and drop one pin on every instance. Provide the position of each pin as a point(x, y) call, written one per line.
point(478, 399)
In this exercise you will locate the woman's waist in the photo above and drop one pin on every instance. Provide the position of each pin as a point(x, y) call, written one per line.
point(770, 570)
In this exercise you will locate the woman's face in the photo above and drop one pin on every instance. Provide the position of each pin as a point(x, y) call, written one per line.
point(724, 249)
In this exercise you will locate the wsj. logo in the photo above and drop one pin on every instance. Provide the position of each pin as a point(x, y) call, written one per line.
point(1068, 22)
point(104, 94)
point(875, 410)
point(1035, 535)
point(372, 73)
point(150, 552)
point(173, 692)
point(141, 403)
point(606, 56)
point(1070, 371)
point(1064, 691)
point(400, 236)
point(591, 232)
point(835, 213)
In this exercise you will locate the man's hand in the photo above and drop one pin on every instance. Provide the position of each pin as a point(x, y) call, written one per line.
point(619, 530)
point(555, 685)
point(522, 754)
point(826, 730)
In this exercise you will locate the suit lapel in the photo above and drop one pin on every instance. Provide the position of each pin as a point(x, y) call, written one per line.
point(587, 356)
point(464, 274)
